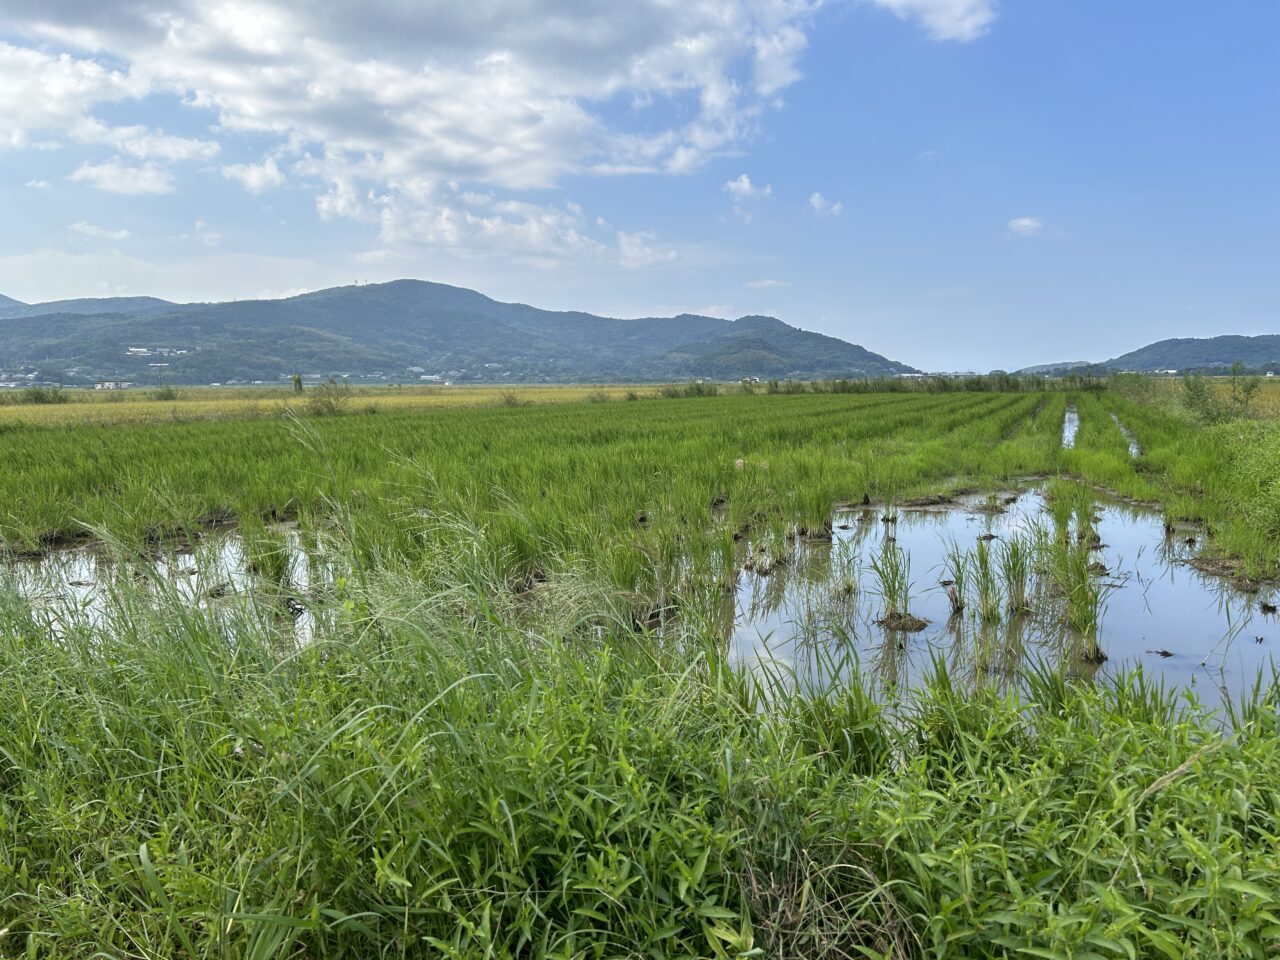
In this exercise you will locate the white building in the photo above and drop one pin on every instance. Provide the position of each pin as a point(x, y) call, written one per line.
point(112, 385)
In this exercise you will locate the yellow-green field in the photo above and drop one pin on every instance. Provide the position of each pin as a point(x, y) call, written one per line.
point(140, 405)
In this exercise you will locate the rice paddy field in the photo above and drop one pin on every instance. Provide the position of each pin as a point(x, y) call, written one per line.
point(859, 673)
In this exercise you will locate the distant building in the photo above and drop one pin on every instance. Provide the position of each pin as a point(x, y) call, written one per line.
point(112, 385)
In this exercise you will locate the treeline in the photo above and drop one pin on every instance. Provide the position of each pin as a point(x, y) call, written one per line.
point(995, 382)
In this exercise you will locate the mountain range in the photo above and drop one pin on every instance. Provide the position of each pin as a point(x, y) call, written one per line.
point(401, 331)
point(1181, 354)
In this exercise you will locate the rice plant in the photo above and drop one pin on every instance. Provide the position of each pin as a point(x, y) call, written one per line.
point(957, 571)
point(1015, 569)
point(986, 584)
point(892, 570)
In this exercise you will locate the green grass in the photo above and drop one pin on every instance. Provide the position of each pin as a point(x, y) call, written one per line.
point(492, 748)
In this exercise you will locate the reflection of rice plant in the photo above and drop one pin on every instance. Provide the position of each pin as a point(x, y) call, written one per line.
point(892, 569)
point(986, 583)
point(957, 567)
point(844, 569)
point(1015, 567)
point(266, 551)
point(1082, 594)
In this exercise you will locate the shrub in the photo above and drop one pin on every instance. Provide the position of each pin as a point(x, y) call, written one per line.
point(329, 398)
point(44, 395)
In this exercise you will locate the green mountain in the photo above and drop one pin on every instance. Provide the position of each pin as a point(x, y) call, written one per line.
point(389, 329)
point(1189, 353)
point(10, 309)
point(1182, 354)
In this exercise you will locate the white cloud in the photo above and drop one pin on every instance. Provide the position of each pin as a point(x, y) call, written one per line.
point(202, 234)
point(743, 192)
point(39, 184)
point(500, 92)
point(636, 250)
point(43, 93)
point(743, 189)
point(962, 20)
point(256, 177)
point(1026, 226)
point(142, 143)
point(116, 176)
point(724, 311)
point(766, 284)
point(86, 229)
point(824, 207)
point(380, 106)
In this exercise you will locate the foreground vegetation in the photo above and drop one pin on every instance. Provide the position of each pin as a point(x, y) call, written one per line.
point(484, 750)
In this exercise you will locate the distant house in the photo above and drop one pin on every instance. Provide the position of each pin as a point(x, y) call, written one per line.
point(112, 385)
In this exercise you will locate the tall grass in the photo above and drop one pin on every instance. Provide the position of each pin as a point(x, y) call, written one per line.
point(437, 775)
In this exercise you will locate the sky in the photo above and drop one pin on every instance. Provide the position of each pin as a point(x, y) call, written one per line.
point(957, 184)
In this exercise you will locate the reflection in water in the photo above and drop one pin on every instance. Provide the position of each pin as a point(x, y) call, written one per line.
point(1135, 451)
point(270, 578)
point(819, 608)
point(1070, 427)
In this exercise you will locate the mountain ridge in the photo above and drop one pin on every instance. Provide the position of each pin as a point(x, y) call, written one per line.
point(1182, 354)
point(406, 329)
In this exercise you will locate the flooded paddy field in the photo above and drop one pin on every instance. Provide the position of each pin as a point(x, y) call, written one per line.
point(824, 603)
point(434, 712)
point(273, 581)
point(815, 606)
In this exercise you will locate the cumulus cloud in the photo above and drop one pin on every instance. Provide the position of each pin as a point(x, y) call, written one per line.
point(143, 143)
point(117, 176)
point(766, 284)
point(946, 19)
point(824, 207)
point(86, 229)
point(255, 177)
point(43, 93)
point(381, 107)
point(1026, 226)
point(39, 184)
point(743, 189)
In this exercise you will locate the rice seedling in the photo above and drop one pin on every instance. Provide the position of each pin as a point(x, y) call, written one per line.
point(892, 570)
point(986, 584)
point(1015, 568)
point(957, 572)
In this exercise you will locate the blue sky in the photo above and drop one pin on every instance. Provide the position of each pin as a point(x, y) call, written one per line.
point(959, 184)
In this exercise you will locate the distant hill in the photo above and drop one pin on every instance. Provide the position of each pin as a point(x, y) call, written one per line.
point(132, 305)
point(1193, 353)
point(389, 329)
point(1183, 354)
